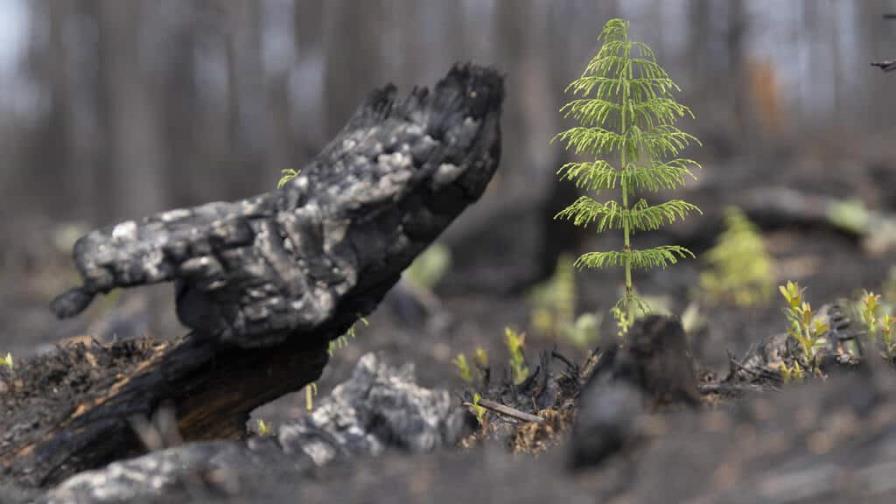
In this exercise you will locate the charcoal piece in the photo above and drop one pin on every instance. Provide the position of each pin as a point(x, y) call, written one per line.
point(379, 407)
point(652, 370)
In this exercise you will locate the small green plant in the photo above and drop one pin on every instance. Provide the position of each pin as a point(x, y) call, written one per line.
point(515, 342)
point(7, 361)
point(480, 357)
point(869, 306)
point(888, 337)
point(286, 175)
point(264, 429)
point(310, 394)
point(554, 308)
point(342, 341)
point(888, 287)
point(585, 332)
point(741, 271)
point(793, 373)
point(626, 114)
point(477, 410)
point(554, 301)
point(804, 327)
point(881, 330)
point(464, 370)
point(430, 267)
point(851, 215)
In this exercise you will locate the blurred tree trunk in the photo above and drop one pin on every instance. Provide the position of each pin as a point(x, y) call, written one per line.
point(698, 44)
point(181, 99)
point(248, 111)
point(738, 26)
point(352, 56)
point(132, 128)
point(309, 135)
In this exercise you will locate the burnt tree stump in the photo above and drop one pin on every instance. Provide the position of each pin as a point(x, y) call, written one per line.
point(263, 283)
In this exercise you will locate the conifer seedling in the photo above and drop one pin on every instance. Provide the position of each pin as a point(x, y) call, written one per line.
point(626, 116)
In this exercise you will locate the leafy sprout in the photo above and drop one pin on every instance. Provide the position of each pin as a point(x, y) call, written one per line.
point(464, 370)
point(286, 175)
point(881, 330)
point(741, 271)
point(310, 394)
point(477, 410)
point(515, 342)
point(805, 328)
point(264, 429)
point(430, 267)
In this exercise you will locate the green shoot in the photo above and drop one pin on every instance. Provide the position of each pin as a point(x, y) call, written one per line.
point(7, 361)
point(881, 330)
point(341, 342)
point(792, 374)
point(554, 301)
point(741, 271)
point(287, 175)
point(310, 393)
point(889, 286)
point(554, 308)
point(480, 357)
point(869, 306)
point(515, 342)
point(851, 215)
point(463, 368)
point(888, 337)
point(477, 410)
point(430, 267)
point(807, 330)
point(626, 114)
point(585, 332)
point(625, 318)
point(264, 429)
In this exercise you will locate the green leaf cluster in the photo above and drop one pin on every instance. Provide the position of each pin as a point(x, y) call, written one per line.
point(881, 329)
point(741, 271)
point(515, 343)
point(286, 176)
point(6, 361)
point(626, 117)
point(429, 267)
point(554, 308)
point(805, 328)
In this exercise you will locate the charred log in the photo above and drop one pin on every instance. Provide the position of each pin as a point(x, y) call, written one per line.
point(264, 283)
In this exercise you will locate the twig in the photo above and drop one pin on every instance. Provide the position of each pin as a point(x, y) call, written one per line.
point(886, 66)
point(590, 365)
point(507, 411)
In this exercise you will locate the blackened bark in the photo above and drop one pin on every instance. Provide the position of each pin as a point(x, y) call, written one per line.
point(321, 252)
point(264, 283)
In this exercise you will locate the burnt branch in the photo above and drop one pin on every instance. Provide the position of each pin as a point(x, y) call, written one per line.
point(323, 250)
point(264, 282)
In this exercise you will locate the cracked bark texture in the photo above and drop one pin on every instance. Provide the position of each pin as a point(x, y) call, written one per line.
point(322, 251)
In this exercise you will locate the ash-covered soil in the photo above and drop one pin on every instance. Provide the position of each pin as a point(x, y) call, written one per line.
point(47, 388)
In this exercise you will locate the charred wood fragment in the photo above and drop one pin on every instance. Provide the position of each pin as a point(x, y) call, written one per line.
point(264, 283)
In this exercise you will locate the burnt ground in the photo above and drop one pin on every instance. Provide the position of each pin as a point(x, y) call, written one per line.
point(727, 447)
